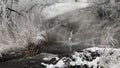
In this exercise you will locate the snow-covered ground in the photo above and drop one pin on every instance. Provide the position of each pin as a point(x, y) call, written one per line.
point(61, 8)
point(90, 58)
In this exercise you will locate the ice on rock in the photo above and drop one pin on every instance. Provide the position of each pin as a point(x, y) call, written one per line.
point(50, 58)
point(60, 64)
point(93, 49)
point(72, 63)
point(47, 59)
point(89, 57)
point(94, 63)
point(79, 61)
point(48, 65)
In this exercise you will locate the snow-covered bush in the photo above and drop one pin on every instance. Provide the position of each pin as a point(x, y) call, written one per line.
point(20, 25)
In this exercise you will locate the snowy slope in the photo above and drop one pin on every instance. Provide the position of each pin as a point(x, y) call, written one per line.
point(61, 8)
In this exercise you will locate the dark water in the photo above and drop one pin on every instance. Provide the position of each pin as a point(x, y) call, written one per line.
point(30, 62)
point(35, 61)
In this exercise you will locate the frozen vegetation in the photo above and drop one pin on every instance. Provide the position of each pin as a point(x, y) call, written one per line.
point(78, 33)
point(22, 22)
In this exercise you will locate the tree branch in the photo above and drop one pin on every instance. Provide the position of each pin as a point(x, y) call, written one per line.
point(102, 3)
point(15, 11)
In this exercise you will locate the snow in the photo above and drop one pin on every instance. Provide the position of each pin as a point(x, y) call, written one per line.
point(48, 65)
point(11, 47)
point(72, 63)
point(4, 48)
point(60, 64)
point(93, 49)
point(93, 63)
point(61, 8)
point(46, 59)
point(90, 58)
point(78, 61)
point(50, 58)
point(114, 65)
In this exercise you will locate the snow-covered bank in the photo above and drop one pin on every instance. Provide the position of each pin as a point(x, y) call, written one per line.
point(90, 58)
point(19, 48)
point(61, 8)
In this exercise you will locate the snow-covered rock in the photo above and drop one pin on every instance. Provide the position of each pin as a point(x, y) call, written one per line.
point(89, 58)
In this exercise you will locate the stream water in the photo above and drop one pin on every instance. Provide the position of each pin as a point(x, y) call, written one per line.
point(29, 62)
point(88, 58)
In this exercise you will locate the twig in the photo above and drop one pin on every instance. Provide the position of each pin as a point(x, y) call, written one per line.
point(115, 9)
point(15, 11)
point(31, 8)
point(105, 2)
